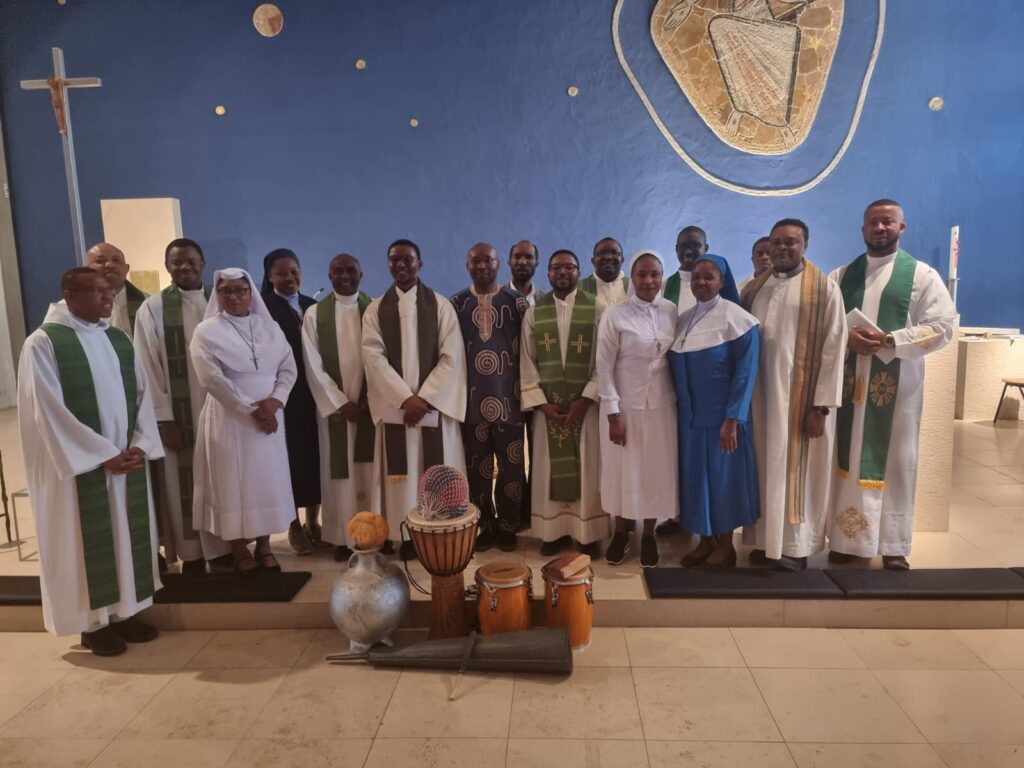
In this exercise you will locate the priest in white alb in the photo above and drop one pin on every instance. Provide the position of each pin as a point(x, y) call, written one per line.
point(608, 284)
point(332, 335)
point(899, 311)
point(163, 330)
point(87, 430)
point(799, 382)
point(110, 261)
point(415, 364)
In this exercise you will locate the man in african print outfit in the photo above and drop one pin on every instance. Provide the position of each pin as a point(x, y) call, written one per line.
point(490, 317)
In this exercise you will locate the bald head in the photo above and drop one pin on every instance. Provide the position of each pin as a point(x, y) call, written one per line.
point(345, 274)
point(109, 260)
point(482, 265)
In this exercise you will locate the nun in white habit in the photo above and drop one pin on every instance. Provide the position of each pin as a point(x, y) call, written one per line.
point(242, 487)
point(638, 410)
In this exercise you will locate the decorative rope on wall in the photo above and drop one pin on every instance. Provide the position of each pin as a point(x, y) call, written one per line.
point(725, 184)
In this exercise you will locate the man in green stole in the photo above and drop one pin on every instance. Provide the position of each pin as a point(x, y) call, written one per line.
point(87, 427)
point(331, 345)
point(415, 366)
point(607, 284)
point(900, 311)
point(559, 382)
point(163, 332)
point(109, 260)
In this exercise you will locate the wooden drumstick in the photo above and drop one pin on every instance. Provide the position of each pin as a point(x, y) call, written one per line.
point(470, 642)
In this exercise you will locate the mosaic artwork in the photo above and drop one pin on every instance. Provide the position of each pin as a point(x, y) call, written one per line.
point(754, 70)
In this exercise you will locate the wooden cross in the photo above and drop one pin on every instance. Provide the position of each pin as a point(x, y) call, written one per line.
point(580, 344)
point(58, 85)
point(547, 342)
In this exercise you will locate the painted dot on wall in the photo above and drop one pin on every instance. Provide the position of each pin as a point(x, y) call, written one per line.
point(220, 110)
point(935, 103)
point(573, 91)
point(268, 20)
point(360, 63)
point(414, 123)
point(62, 2)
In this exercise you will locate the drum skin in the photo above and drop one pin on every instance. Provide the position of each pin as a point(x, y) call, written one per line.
point(569, 603)
point(506, 594)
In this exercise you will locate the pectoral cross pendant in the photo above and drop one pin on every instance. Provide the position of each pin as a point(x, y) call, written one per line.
point(255, 361)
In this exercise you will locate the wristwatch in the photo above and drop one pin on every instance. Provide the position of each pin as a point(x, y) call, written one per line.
point(613, 416)
point(822, 409)
point(889, 341)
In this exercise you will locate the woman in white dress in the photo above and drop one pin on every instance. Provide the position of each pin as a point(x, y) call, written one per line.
point(242, 489)
point(638, 410)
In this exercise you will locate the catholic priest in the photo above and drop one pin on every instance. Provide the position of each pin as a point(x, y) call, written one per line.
point(691, 243)
point(87, 428)
point(608, 284)
point(332, 347)
point(109, 260)
point(415, 366)
point(899, 312)
point(760, 260)
point(559, 383)
point(163, 330)
point(799, 383)
point(523, 259)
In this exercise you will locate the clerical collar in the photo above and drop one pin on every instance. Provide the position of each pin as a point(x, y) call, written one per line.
point(708, 304)
point(570, 295)
point(609, 282)
point(292, 299)
point(887, 256)
point(791, 273)
point(190, 290)
point(519, 290)
point(99, 325)
point(341, 298)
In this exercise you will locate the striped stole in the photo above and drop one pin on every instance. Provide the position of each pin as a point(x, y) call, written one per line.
point(134, 298)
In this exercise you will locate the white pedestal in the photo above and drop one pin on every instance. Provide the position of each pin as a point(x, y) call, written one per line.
point(142, 228)
point(983, 365)
point(935, 456)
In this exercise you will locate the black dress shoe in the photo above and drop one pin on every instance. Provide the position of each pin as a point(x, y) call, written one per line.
point(550, 548)
point(103, 642)
point(694, 559)
point(161, 563)
point(592, 550)
point(617, 549)
point(895, 563)
point(485, 540)
point(758, 558)
point(132, 630)
point(507, 541)
point(791, 564)
point(407, 551)
point(193, 568)
point(668, 528)
point(840, 558)
point(648, 552)
point(724, 565)
point(222, 564)
point(342, 554)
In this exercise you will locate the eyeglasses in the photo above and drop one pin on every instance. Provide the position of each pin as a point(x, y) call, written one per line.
point(562, 268)
point(239, 291)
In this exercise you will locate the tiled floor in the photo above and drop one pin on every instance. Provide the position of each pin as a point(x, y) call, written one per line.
point(638, 697)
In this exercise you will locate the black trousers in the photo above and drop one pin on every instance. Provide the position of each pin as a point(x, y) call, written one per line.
point(495, 452)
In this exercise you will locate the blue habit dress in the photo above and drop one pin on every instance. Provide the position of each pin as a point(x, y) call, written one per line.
point(714, 366)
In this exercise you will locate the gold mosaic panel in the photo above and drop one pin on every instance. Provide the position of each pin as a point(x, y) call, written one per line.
point(754, 70)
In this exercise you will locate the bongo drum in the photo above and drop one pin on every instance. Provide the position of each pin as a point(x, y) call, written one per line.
point(506, 593)
point(445, 548)
point(569, 603)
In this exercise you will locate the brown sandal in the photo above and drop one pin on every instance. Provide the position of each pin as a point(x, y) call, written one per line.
point(275, 567)
point(246, 571)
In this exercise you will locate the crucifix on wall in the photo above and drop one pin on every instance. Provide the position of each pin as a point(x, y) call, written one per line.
point(58, 85)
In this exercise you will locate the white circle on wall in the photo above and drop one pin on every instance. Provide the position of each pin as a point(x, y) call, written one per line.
point(935, 103)
point(572, 90)
point(268, 20)
point(414, 123)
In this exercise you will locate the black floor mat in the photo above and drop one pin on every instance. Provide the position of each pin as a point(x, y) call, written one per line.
point(930, 584)
point(232, 588)
point(739, 583)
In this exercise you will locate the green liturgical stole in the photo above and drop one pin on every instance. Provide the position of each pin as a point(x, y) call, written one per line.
point(883, 382)
point(176, 348)
point(564, 383)
point(589, 284)
point(673, 283)
point(93, 501)
point(134, 298)
point(337, 427)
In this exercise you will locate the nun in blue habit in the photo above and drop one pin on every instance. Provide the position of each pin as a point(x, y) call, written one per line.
point(714, 363)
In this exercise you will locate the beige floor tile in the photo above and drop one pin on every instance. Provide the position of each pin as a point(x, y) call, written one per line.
point(87, 704)
point(702, 704)
point(593, 703)
point(833, 705)
point(981, 755)
point(958, 706)
point(912, 649)
point(865, 756)
point(19, 687)
point(1015, 614)
point(420, 708)
point(302, 753)
point(997, 457)
point(318, 588)
point(986, 521)
point(717, 754)
point(794, 647)
point(437, 753)
point(252, 649)
point(682, 647)
point(999, 648)
point(208, 704)
point(950, 550)
point(49, 752)
point(607, 649)
point(575, 753)
point(1014, 677)
point(1014, 471)
point(171, 650)
point(193, 753)
point(980, 475)
point(998, 495)
point(327, 703)
point(39, 650)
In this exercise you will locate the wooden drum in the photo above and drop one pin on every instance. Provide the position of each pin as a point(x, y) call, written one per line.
point(506, 593)
point(569, 603)
point(445, 547)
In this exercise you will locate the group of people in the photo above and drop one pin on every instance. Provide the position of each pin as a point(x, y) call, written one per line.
point(203, 417)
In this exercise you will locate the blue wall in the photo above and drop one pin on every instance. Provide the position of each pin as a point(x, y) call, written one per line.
point(320, 157)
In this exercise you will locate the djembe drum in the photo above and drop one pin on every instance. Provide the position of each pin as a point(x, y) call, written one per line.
point(443, 532)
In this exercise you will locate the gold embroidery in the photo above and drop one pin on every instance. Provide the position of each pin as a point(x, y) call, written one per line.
point(547, 342)
point(580, 344)
point(852, 522)
point(858, 391)
point(883, 389)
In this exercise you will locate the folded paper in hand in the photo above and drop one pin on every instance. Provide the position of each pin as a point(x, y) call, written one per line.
point(857, 318)
point(397, 416)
